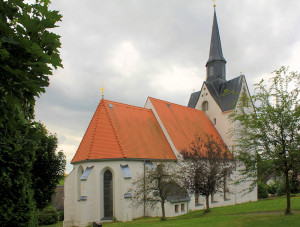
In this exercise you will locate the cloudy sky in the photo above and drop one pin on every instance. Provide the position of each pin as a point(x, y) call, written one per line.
point(157, 48)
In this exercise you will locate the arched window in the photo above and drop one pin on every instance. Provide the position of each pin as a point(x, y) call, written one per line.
point(79, 173)
point(205, 106)
point(108, 194)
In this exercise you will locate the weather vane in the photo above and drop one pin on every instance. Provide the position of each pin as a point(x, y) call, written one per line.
point(214, 3)
point(102, 89)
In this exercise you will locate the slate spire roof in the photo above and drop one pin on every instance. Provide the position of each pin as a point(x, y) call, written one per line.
point(216, 81)
point(225, 102)
point(215, 52)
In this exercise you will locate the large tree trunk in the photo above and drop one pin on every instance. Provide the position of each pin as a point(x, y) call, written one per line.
point(163, 218)
point(288, 193)
point(207, 204)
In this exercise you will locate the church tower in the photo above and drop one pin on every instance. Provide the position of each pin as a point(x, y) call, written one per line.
point(216, 64)
point(218, 97)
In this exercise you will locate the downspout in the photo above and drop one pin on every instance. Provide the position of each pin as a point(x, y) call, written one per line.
point(187, 206)
point(235, 196)
point(144, 188)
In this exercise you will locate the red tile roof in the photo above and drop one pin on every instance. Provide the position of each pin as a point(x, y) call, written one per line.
point(123, 131)
point(182, 123)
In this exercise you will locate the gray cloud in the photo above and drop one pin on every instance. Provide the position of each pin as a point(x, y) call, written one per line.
point(141, 48)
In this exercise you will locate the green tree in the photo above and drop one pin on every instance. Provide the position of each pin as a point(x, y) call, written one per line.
point(48, 168)
point(28, 53)
point(271, 143)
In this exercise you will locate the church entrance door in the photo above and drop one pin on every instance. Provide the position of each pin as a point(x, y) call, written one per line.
point(108, 195)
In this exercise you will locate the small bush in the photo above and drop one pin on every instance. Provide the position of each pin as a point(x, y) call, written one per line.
point(61, 215)
point(281, 190)
point(48, 215)
point(272, 188)
point(262, 190)
point(295, 186)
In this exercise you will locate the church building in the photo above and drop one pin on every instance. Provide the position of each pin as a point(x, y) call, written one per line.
point(121, 140)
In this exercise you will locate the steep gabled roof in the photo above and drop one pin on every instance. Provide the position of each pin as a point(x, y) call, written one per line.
point(122, 131)
point(226, 102)
point(182, 123)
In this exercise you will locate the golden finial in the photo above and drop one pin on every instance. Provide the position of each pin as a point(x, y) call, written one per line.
point(214, 3)
point(241, 73)
point(102, 89)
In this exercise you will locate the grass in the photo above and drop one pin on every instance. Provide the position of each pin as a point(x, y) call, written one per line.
point(62, 181)
point(236, 215)
point(58, 224)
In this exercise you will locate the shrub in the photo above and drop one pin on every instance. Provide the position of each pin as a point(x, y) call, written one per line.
point(48, 215)
point(272, 188)
point(262, 190)
point(61, 215)
point(295, 185)
point(281, 190)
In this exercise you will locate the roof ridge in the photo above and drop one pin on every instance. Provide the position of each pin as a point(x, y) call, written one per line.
point(235, 78)
point(128, 105)
point(193, 109)
point(115, 131)
point(84, 136)
point(94, 130)
point(163, 134)
point(213, 87)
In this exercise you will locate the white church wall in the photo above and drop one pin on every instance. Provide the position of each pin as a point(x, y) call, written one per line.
point(215, 114)
point(242, 193)
point(84, 212)
point(182, 208)
point(70, 197)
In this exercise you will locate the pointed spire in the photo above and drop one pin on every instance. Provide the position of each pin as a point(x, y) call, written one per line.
point(215, 52)
point(215, 66)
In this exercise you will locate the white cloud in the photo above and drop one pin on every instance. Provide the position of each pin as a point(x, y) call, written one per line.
point(176, 79)
point(158, 48)
point(125, 59)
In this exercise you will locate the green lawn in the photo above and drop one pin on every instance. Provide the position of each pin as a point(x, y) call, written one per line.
point(236, 215)
point(59, 224)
